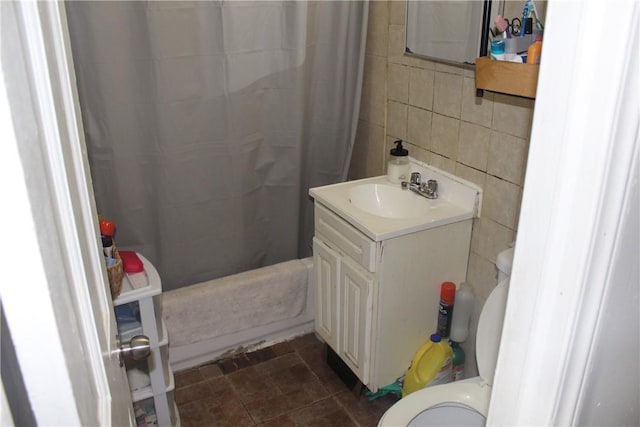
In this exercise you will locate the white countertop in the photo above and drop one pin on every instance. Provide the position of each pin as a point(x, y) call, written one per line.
point(458, 200)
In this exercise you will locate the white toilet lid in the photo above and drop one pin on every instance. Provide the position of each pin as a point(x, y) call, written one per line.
point(470, 397)
point(448, 414)
point(490, 330)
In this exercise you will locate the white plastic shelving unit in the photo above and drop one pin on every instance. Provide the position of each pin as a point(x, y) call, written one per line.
point(141, 295)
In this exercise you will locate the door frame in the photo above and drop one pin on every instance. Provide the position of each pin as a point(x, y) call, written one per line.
point(584, 142)
point(55, 296)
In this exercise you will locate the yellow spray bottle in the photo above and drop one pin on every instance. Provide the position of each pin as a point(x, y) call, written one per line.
point(430, 366)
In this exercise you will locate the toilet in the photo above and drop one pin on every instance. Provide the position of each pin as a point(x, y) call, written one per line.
point(464, 402)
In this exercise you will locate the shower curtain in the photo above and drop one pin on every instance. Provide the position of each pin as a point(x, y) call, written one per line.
point(207, 122)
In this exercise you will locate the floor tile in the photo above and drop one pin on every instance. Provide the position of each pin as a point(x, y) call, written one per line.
point(187, 377)
point(192, 392)
point(287, 384)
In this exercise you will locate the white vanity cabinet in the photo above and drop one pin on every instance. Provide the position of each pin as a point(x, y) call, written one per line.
point(377, 295)
point(343, 296)
point(139, 311)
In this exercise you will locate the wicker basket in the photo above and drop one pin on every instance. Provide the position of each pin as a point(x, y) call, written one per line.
point(115, 273)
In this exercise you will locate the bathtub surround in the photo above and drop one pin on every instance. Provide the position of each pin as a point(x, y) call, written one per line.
point(207, 122)
point(239, 312)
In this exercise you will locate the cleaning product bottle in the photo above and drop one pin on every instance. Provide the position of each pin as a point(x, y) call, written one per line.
point(107, 248)
point(535, 50)
point(464, 307)
point(107, 231)
point(398, 164)
point(445, 310)
point(457, 362)
point(430, 366)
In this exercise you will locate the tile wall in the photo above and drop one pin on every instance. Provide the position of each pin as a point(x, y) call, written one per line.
point(433, 107)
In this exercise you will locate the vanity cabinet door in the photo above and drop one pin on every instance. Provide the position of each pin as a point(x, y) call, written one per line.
point(326, 266)
point(355, 318)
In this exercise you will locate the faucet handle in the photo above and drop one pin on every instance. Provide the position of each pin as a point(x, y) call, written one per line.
point(415, 177)
point(432, 189)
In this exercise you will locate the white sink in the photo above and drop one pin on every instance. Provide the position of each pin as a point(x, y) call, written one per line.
point(382, 210)
point(389, 202)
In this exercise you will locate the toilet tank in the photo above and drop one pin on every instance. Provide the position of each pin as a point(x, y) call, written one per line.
point(504, 261)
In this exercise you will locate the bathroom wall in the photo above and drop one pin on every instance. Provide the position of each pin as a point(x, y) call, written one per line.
point(433, 107)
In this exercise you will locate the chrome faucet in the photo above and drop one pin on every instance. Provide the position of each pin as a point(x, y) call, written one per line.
point(427, 189)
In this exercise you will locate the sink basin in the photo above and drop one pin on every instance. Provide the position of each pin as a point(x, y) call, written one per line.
point(388, 202)
point(382, 210)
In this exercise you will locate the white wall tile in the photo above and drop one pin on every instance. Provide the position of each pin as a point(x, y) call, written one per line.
point(470, 174)
point(501, 201)
point(419, 127)
point(490, 238)
point(447, 96)
point(396, 44)
point(377, 31)
point(421, 154)
point(507, 157)
point(421, 86)
point(373, 99)
point(367, 159)
point(397, 115)
point(482, 276)
point(451, 69)
point(512, 115)
point(443, 163)
point(473, 145)
point(444, 135)
point(478, 110)
point(397, 12)
point(398, 83)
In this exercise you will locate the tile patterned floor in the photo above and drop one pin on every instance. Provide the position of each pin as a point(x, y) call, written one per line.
point(288, 384)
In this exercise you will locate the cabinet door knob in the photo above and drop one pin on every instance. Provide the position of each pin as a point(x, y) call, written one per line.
point(138, 348)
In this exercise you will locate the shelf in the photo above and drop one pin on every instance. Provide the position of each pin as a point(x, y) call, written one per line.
point(147, 392)
point(139, 285)
point(141, 394)
point(167, 379)
point(158, 411)
point(139, 311)
point(507, 77)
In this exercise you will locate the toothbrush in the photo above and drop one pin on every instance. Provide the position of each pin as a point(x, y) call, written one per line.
point(525, 15)
point(534, 10)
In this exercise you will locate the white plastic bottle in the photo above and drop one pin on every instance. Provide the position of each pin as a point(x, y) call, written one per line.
point(398, 164)
point(462, 314)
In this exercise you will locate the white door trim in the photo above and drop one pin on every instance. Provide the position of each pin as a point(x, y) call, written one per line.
point(583, 139)
point(56, 303)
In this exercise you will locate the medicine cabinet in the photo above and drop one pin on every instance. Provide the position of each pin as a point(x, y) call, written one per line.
point(451, 31)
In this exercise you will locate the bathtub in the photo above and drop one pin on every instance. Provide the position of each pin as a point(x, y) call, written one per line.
point(241, 312)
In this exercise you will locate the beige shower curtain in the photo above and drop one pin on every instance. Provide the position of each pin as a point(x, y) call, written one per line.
point(207, 123)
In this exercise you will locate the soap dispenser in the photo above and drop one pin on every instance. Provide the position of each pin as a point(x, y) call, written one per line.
point(398, 164)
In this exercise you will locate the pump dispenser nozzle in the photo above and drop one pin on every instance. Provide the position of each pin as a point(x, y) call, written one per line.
point(399, 151)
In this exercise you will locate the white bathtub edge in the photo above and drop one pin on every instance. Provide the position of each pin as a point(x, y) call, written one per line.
point(191, 355)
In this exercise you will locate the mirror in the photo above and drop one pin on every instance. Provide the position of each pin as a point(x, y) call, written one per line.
point(451, 31)
point(444, 30)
